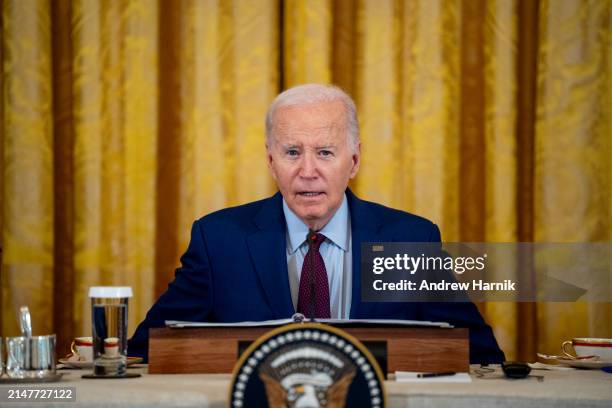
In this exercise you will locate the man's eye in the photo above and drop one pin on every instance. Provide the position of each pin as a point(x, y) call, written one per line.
point(325, 153)
point(292, 152)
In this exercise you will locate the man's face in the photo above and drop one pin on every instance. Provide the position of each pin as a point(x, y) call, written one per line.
point(311, 160)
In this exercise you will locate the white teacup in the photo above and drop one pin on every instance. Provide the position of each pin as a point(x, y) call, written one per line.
point(111, 347)
point(82, 349)
point(589, 346)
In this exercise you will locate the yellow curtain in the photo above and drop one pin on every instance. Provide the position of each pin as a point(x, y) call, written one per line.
point(123, 121)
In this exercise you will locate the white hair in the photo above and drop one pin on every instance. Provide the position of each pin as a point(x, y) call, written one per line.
point(315, 93)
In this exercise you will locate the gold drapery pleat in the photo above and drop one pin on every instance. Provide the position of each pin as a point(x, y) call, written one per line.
point(219, 71)
point(574, 165)
point(124, 121)
point(501, 179)
point(27, 166)
point(307, 45)
point(114, 156)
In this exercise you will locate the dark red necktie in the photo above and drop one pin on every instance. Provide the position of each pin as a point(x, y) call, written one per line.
point(313, 296)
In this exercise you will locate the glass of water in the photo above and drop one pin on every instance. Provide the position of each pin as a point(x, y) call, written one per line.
point(109, 316)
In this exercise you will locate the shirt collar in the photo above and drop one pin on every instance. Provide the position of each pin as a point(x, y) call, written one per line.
point(336, 230)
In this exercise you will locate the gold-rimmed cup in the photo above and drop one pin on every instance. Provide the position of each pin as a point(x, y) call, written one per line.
point(588, 347)
point(82, 349)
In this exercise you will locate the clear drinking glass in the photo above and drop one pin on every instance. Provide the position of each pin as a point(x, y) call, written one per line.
point(109, 318)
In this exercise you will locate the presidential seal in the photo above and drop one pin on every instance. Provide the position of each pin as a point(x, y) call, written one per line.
point(307, 365)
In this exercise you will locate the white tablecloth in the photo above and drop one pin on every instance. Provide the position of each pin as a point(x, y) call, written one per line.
point(575, 388)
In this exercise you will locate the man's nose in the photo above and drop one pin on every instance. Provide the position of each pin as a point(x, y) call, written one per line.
point(308, 166)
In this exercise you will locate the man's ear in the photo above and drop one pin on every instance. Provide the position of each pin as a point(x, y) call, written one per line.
point(270, 160)
point(356, 161)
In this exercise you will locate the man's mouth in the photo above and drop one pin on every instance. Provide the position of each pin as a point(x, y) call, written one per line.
point(310, 193)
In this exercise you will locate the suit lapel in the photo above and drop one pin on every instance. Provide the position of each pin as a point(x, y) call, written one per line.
point(365, 227)
point(267, 247)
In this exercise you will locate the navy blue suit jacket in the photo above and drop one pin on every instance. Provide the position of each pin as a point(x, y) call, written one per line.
point(235, 269)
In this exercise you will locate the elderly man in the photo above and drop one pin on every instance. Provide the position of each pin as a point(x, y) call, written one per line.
point(298, 251)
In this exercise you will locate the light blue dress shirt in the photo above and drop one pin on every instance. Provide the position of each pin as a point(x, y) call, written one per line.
point(336, 254)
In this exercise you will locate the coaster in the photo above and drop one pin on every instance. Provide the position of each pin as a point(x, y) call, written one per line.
point(103, 377)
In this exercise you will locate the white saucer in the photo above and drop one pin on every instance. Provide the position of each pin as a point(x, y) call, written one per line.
point(89, 364)
point(585, 363)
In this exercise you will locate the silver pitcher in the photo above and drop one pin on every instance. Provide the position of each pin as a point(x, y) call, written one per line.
point(30, 357)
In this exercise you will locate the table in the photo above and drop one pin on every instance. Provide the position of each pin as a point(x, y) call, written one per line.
point(574, 388)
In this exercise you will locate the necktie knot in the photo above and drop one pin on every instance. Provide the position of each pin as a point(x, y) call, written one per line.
point(316, 239)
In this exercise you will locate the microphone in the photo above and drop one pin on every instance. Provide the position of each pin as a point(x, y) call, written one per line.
point(313, 293)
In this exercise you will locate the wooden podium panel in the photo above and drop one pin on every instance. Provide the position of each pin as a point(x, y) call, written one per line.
point(215, 349)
